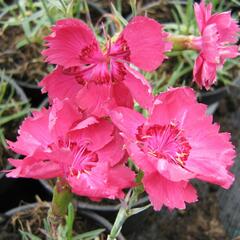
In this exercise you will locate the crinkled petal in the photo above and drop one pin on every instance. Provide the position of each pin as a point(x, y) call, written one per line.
point(114, 151)
point(63, 115)
point(165, 192)
point(60, 85)
point(96, 135)
point(103, 182)
point(127, 120)
point(202, 14)
point(95, 99)
point(92, 185)
point(85, 123)
point(71, 43)
point(171, 105)
point(173, 172)
point(204, 73)
point(139, 157)
point(30, 167)
point(228, 52)
point(212, 156)
point(145, 39)
point(210, 44)
point(121, 176)
point(139, 87)
point(227, 27)
point(32, 134)
point(122, 95)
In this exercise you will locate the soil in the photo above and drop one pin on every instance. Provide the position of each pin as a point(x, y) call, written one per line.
point(200, 221)
point(228, 113)
point(24, 64)
point(31, 220)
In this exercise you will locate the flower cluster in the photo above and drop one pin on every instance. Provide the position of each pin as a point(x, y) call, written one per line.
point(219, 34)
point(91, 128)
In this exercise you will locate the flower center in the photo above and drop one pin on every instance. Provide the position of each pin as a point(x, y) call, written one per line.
point(101, 69)
point(83, 160)
point(164, 142)
point(120, 50)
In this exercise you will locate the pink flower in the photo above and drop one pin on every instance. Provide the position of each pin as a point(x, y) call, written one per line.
point(176, 143)
point(101, 79)
point(219, 33)
point(87, 152)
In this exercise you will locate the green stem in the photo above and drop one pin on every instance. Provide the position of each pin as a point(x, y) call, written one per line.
point(117, 227)
point(62, 196)
point(123, 214)
point(50, 19)
point(182, 42)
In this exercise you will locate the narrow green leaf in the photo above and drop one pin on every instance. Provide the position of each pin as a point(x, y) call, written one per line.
point(7, 119)
point(138, 210)
point(29, 236)
point(118, 15)
point(69, 221)
point(89, 235)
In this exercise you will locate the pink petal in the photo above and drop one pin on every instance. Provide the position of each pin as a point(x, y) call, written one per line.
point(96, 135)
point(85, 123)
point(33, 133)
point(95, 99)
point(139, 87)
point(228, 52)
point(171, 194)
point(212, 156)
point(92, 185)
point(173, 172)
point(127, 120)
point(227, 27)
point(60, 85)
point(63, 115)
point(171, 105)
point(210, 44)
point(114, 151)
point(180, 105)
point(103, 182)
point(204, 73)
point(71, 43)
point(202, 14)
point(30, 167)
point(98, 73)
point(121, 176)
point(140, 158)
point(122, 95)
point(146, 40)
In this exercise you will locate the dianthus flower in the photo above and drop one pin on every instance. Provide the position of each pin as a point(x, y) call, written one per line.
point(219, 33)
point(86, 152)
point(176, 143)
point(101, 78)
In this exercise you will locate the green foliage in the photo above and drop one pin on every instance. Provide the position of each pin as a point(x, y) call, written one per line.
point(36, 17)
point(91, 235)
point(28, 236)
point(11, 107)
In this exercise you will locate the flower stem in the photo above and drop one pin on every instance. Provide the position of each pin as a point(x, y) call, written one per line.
point(62, 196)
point(182, 42)
point(117, 227)
point(125, 212)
